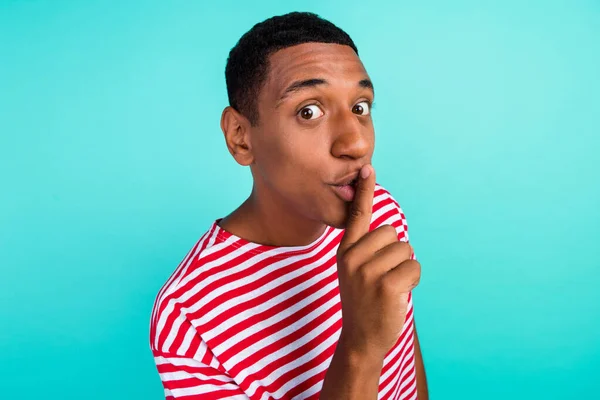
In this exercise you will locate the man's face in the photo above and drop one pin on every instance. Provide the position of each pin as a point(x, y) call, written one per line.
point(315, 130)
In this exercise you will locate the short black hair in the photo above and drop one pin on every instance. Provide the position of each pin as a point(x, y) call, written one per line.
point(248, 61)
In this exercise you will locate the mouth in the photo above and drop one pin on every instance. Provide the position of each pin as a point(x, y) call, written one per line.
point(346, 188)
point(348, 180)
point(351, 182)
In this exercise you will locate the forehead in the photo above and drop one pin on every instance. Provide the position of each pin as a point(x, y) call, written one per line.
point(336, 63)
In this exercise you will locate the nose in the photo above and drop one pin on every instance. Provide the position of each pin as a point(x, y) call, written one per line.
point(352, 139)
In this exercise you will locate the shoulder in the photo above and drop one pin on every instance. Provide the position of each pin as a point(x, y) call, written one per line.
point(387, 211)
point(191, 280)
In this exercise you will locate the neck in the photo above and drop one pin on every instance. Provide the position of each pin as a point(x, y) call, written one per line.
point(266, 219)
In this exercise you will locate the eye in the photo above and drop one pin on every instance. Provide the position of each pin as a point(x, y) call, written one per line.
point(362, 108)
point(310, 112)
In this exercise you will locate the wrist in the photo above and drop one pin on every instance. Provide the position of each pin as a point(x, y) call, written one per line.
point(359, 358)
point(353, 373)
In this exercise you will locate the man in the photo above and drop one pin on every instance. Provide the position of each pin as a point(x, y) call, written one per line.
point(304, 290)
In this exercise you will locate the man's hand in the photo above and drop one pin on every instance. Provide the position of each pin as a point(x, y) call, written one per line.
point(376, 274)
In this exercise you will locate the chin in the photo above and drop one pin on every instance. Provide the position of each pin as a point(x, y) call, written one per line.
point(337, 217)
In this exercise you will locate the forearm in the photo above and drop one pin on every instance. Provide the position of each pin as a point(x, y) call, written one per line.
point(422, 391)
point(351, 376)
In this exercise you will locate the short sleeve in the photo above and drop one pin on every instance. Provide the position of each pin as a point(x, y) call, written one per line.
point(190, 379)
point(387, 211)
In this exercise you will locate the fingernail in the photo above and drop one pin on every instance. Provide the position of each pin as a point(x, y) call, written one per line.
point(365, 172)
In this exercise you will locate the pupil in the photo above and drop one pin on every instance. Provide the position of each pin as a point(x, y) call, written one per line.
point(307, 113)
point(358, 109)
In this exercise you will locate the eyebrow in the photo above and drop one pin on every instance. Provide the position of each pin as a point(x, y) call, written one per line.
point(314, 82)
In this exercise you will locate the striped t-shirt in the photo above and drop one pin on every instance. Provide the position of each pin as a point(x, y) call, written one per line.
point(240, 320)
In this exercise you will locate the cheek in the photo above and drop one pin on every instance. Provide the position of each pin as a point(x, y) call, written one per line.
point(288, 160)
point(273, 154)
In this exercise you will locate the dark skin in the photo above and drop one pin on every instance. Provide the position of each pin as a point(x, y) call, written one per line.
point(315, 130)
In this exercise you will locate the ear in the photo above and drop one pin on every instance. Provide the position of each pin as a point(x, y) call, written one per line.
point(236, 129)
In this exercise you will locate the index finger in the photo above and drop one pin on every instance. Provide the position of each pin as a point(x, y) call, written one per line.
point(361, 209)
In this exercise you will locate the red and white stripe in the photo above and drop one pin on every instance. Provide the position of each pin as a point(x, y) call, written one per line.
point(238, 320)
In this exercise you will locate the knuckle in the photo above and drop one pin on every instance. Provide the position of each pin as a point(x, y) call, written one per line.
point(401, 251)
point(415, 284)
point(413, 266)
point(363, 273)
point(347, 258)
point(390, 231)
point(415, 272)
point(416, 265)
point(387, 233)
point(387, 286)
point(363, 189)
point(356, 213)
point(403, 245)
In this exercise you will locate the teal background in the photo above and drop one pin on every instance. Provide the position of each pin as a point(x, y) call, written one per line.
point(112, 164)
